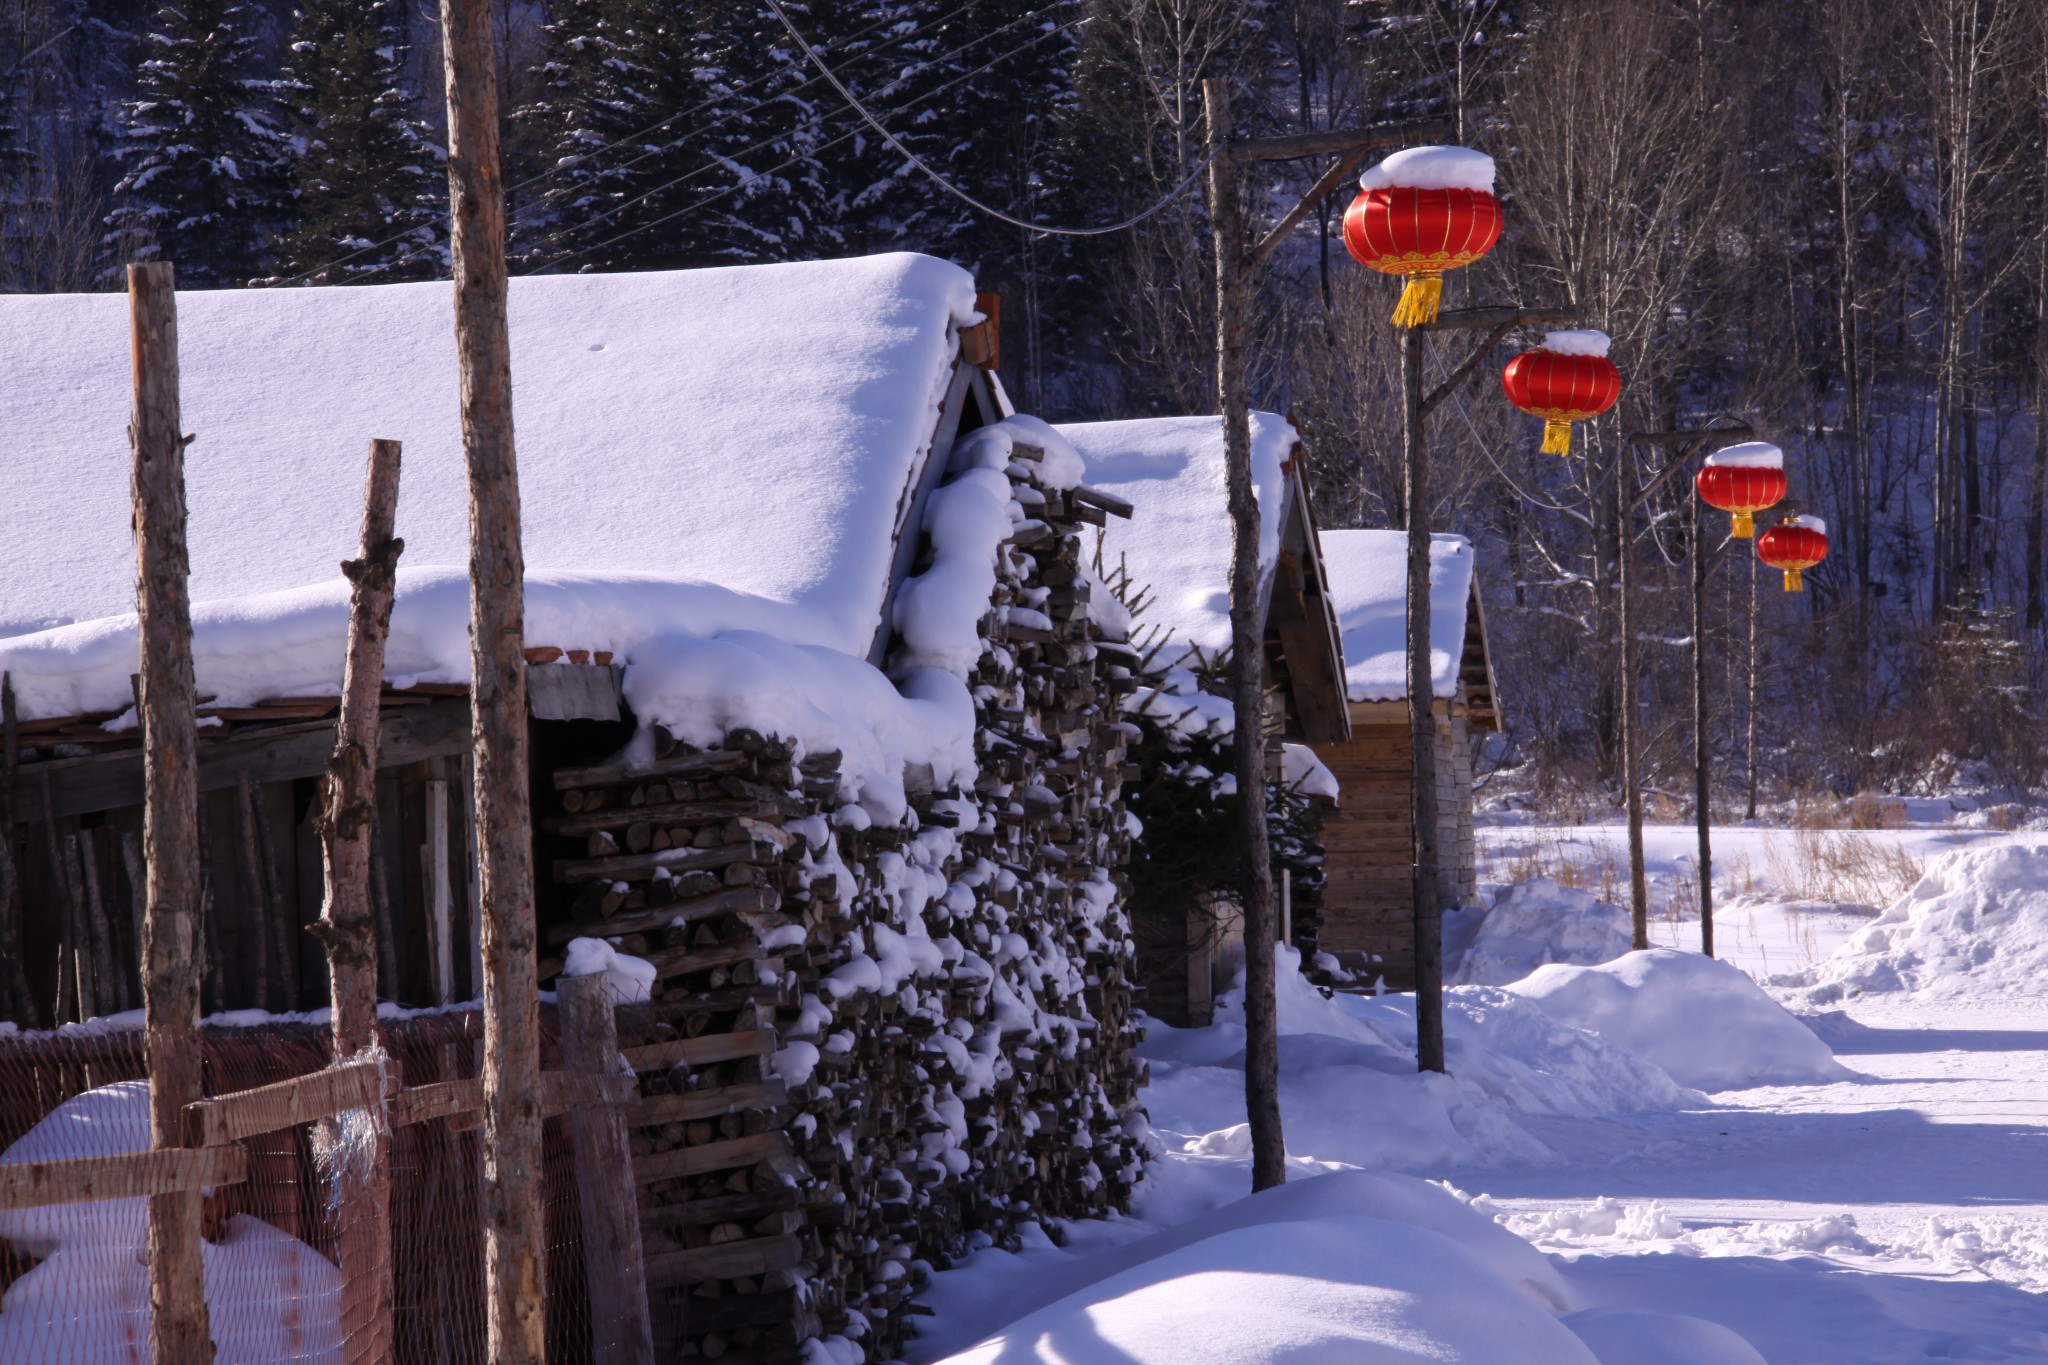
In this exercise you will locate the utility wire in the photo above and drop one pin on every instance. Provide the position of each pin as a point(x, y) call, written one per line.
point(963, 196)
point(569, 163)
point(710, 199)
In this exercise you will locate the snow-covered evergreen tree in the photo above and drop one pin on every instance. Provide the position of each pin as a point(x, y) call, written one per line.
point(200, 147)
point(371, 191)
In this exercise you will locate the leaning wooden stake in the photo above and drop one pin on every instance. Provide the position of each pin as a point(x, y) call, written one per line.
point(621, 1330)
point(1247, 632)
point(178, 1329)
point(358, 1161)
point(513, 1252)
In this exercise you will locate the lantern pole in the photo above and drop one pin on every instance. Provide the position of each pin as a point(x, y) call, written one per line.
point(1690, 442)
point(1235, 268)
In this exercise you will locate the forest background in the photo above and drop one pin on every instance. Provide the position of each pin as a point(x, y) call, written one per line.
point(1828, 218)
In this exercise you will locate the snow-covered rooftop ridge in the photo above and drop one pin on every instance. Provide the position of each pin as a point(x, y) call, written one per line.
point(1807, 520)
point(757, 427)
point(1178, 544)
point(1577, 341)
point(1368, 573)
point(1431, 168)
point(1749, 455)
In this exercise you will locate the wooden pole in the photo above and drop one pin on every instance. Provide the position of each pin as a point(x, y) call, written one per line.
point(514, 1248)
point(1247, 632)
point(347, 925)
point(1631, 738)
point(16, 999)
point(1701, 787)
point(615, 1267)
point(1426, 907)
point(256, 887)
point(178, 1328)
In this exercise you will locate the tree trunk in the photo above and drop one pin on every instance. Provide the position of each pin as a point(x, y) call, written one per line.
point(178, 1328)
point(348, 926)
point(1701, 788)
point(513, 1254)
point(1247, 632)
point(1427, 908)
point(1631, 721)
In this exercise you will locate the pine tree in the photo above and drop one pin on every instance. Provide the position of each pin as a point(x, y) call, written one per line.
point(200, 146)
point(371, 194)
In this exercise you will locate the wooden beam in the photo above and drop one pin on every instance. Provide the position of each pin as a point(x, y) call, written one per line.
point(732, 900)
point(709, 1104)
point(627, 867)
point(710, 1156)
point(285, 1104)
point(1095, 497)
point(1468, 319)
point(185, 1171)
point(1338, 141)
point(615, 1269)
point(724, 1261)
point(683, 765)
point(703, 1050)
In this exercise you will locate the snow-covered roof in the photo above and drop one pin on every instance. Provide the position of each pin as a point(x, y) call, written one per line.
point(1178, 543)
point(754, 427)
point(1368, 573)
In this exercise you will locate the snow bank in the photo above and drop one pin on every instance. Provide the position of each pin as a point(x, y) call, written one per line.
point(1620, 1336)
point(1976, 925)
point(1368, 573)
point(1178, 545)
point(1578, 341)
point(1352, 1095)
point(1749, 455)
point(754, 426)
point(1431, 168)
point(1532, 924)
point(1704, 1022)
point(271, 1297)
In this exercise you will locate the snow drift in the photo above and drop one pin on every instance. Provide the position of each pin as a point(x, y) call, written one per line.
point(1704, 1022)
point(1975, 925)
point(1532, 924)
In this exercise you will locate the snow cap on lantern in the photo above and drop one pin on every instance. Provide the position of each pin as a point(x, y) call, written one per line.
point(1743, 479)
point(1794, 545)
point(1420, 212)
point(1567, 379)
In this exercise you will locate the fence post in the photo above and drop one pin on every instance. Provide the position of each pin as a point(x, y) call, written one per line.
point(179, 1333)
point(621, 1330)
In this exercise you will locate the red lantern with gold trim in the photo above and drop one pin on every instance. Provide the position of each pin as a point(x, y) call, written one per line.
point(1421, 212)
point(1794, 546)
point(1567, 379)
point(1743, 479)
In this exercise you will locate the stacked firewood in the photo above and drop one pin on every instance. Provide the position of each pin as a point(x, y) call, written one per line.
point(874, 1047)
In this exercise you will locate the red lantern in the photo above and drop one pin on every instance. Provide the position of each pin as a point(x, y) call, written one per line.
point(1743, 479)
point(1567, 379)
point(1421, 212)
point(1794, 546)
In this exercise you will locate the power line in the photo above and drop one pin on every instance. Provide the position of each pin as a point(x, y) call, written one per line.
point(811, 54)
point(710, 199)
point(581, 157)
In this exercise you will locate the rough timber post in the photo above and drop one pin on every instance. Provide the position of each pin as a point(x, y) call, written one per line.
point(1426, 908)
point(621, 1328)
point(514, 1230)
point(1247, 629)
point(1701, 787)
point(1631, 722)
point(347, 925)
point(178, 1328)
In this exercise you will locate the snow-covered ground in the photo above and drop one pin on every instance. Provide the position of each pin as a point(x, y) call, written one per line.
point(1892, 1206)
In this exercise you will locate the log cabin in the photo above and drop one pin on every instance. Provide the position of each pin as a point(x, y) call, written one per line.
point(824, 698)
point(1174, 558)
point(1367, 910)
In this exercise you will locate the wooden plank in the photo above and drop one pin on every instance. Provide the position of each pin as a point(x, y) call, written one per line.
point(286, 1104)
point(702, 1051)
point(732, 900)
point(726, 1261)
point(657, 1219)
point(572, 691)
point(710, 1156)
point(561, 1091)
point(614, 1267)
point(628, 867)
point(701, 764)
point(708, 1104)
point(85, 1179)
point(674, 962)
point(662, 813)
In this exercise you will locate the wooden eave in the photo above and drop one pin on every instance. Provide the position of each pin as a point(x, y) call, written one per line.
point(1302, 622)
point(1475, 672)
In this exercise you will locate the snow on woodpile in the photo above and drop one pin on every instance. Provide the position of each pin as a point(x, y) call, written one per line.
point(756, 427)
point(1178, 545)
point(1975, 925)
point(1368, 573)
point(1651, 1002)
point(270, 1296)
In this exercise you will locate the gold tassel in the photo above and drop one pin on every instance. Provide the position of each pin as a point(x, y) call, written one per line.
point(1794, 581)
point(1745, 527)
point(1557, 436)
point(1419, 299)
